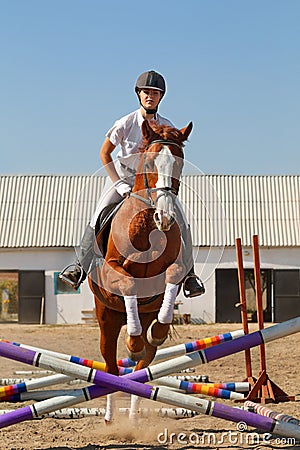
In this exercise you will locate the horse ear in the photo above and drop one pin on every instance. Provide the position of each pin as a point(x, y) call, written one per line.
point(186, 131)
point(147, 131)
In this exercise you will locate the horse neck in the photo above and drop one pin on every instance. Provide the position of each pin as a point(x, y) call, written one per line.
point(139, 184)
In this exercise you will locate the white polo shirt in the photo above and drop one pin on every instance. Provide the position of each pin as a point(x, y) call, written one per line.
point(127, 133)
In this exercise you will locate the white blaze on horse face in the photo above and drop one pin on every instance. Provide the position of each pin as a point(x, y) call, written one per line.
point(164, 215)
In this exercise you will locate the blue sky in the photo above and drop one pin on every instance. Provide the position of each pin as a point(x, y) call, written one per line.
point(68, 69)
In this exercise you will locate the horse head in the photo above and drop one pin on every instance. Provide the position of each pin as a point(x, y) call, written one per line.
point(160, 169)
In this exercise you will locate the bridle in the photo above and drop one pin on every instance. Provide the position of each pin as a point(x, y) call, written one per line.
point(164, 191)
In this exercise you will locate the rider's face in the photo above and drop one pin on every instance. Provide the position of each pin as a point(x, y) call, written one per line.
point(150, 98)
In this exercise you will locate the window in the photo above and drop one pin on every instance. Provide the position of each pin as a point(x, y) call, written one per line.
point(62, 288)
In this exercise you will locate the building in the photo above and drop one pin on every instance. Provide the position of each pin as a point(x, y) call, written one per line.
point(43, 217)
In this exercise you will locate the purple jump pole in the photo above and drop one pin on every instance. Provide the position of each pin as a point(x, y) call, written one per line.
point(126, 383)
point(189, 347)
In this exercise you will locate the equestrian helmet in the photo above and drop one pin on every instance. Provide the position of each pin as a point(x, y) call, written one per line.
point(151, 80)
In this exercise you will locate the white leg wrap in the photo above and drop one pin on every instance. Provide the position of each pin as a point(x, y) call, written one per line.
point(110, 406)
point(134, 406)
point(165, 314)
point(134, 327)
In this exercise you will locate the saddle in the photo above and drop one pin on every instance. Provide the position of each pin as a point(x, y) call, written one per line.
point(103, 225)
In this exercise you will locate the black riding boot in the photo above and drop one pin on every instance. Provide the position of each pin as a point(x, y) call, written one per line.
point(192, 285)
point(75, 274)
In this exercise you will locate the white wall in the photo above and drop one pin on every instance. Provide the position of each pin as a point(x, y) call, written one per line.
point(61, 308)
point(66, 308)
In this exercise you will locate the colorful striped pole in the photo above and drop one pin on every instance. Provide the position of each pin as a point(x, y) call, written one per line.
point(202, 389)
point(74, 359)
point(236, 387)
point(189, 347)
point(14, 390)
point(113, 383)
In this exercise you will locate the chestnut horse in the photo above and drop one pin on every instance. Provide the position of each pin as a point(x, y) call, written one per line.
point(143, 260)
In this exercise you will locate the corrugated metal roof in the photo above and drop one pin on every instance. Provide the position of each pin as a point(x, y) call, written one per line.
point(52, 211)
point(227, 207)
point(46, 211)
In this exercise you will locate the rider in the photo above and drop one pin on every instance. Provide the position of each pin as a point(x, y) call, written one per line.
point(126, 132)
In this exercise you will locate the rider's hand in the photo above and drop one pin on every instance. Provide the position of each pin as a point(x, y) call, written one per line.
point(122, 188)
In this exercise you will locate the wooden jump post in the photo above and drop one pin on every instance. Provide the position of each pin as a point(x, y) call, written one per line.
point(263, 390)
point(243, 305)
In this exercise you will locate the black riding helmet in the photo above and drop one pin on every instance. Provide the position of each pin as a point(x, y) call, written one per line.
point(150, 80)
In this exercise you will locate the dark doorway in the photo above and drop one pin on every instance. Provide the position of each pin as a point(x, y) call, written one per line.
point(286, 294)
point(31, 296)
point(227, 295)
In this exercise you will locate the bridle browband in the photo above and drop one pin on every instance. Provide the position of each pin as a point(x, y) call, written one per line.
point(170, 191)
point(163, 141)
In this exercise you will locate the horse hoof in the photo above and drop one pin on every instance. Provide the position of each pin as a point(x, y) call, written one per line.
point(157, 333)
point(135, 347)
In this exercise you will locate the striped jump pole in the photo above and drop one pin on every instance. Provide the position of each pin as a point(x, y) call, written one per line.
point(14, 391)
point(217, 390)
point(37, 395)
point(192, 378)
point(242, 386)
point(263, 411)
point(200, 389)
point(74, 359)
point(79, 413)
point(189, 347)
point(110, 383)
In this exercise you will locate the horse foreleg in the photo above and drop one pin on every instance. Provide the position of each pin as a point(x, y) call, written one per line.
point(110, 407)
point(134, 341)
point(158, 331)
point(110, 323)
point(118, 280)
point(134, 327)
point(117, 277)
point(166, 311)
point(146, 319)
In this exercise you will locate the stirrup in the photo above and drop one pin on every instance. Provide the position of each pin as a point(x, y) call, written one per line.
point(73, 284)
point(188, 293)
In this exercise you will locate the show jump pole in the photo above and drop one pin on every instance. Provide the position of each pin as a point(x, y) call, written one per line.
point(132, 383)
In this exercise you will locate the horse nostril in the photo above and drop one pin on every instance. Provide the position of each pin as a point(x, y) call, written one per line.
point(156, 220)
